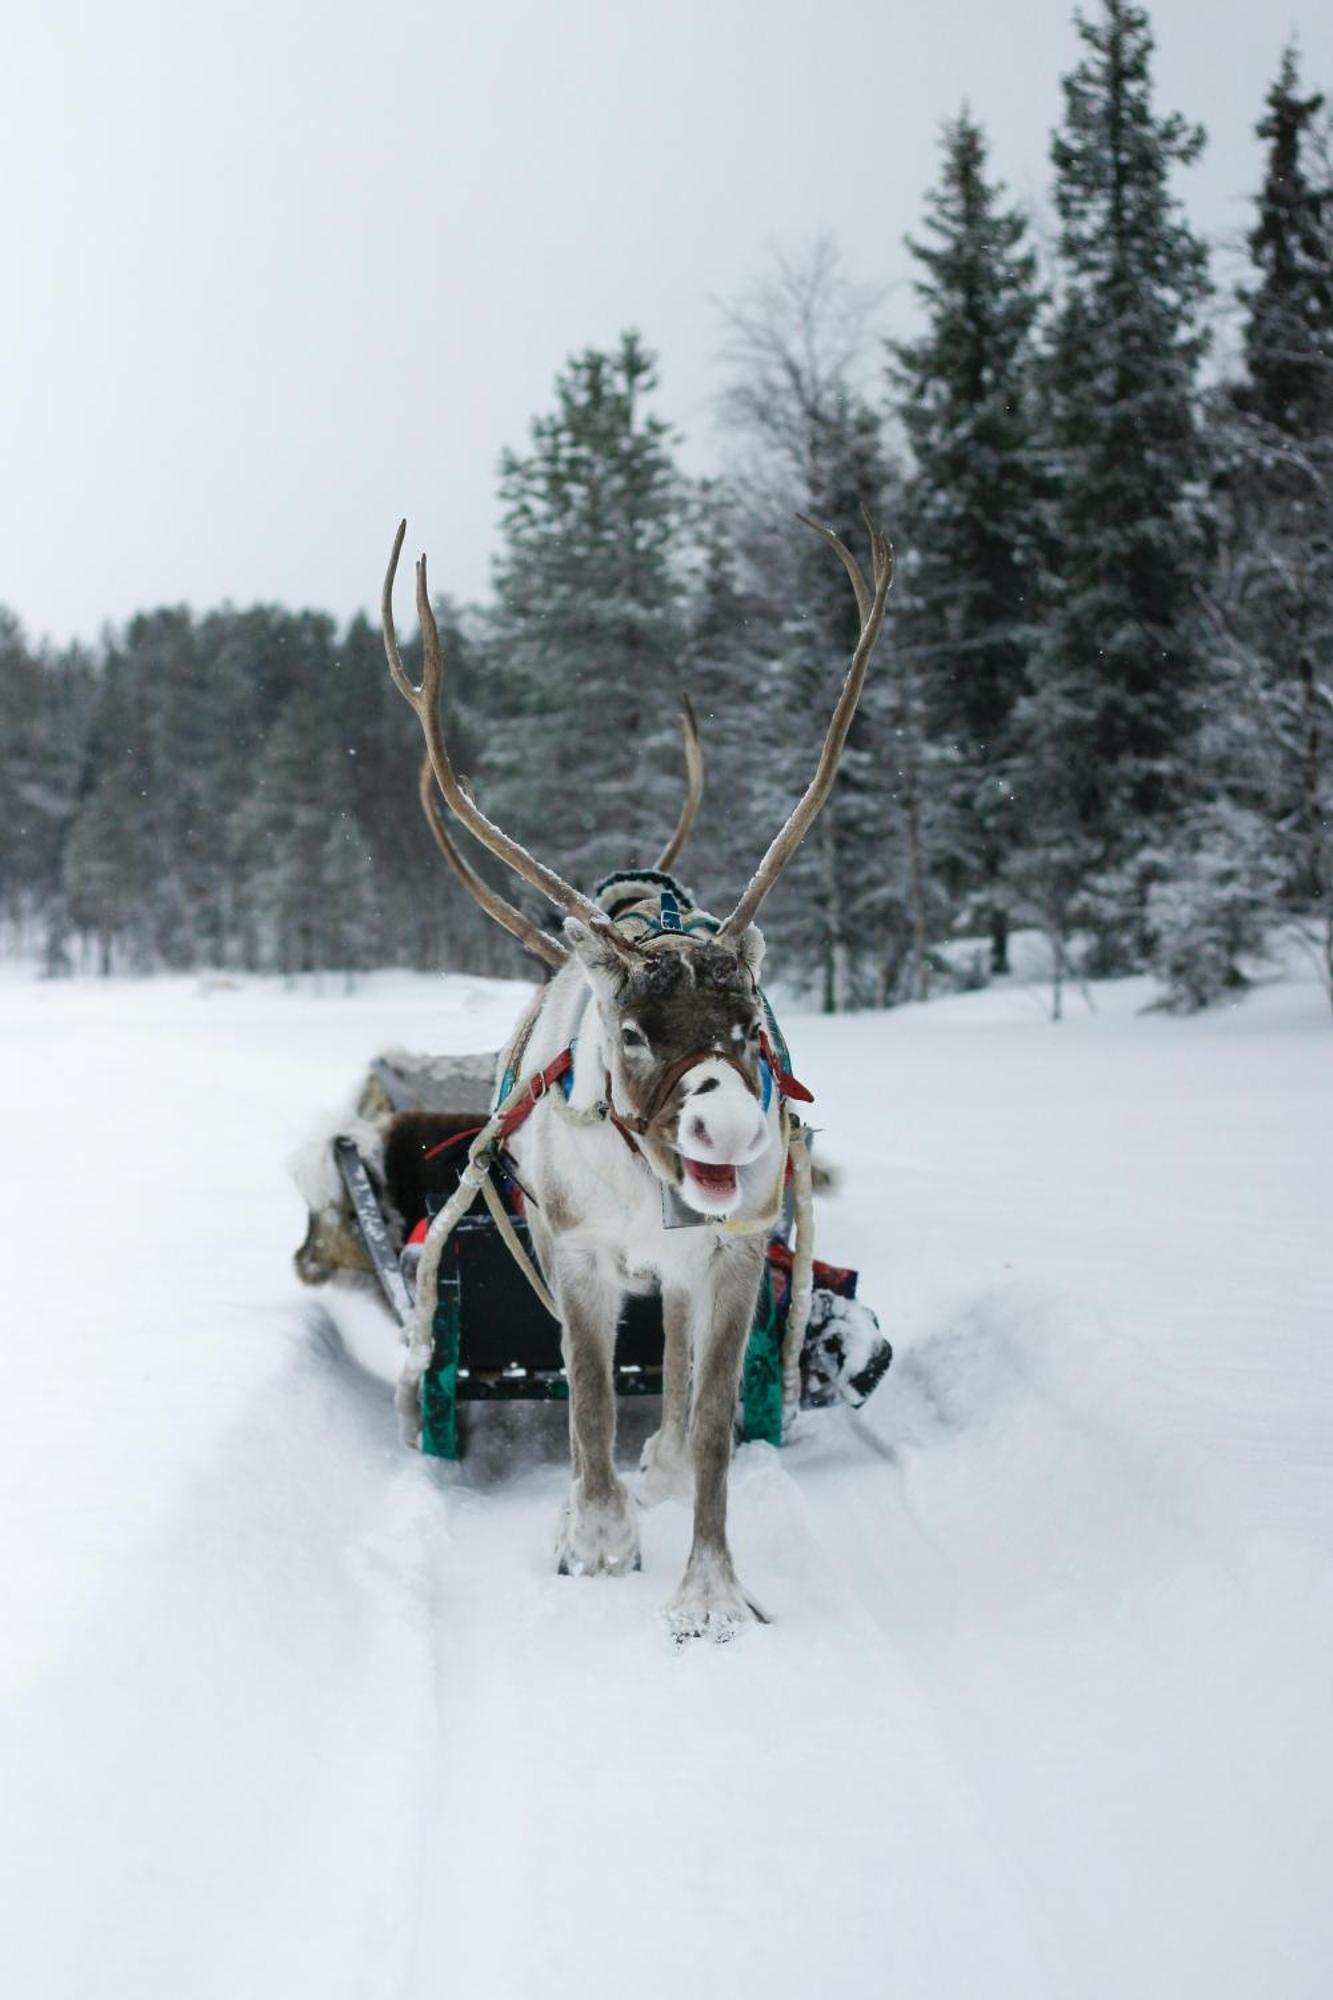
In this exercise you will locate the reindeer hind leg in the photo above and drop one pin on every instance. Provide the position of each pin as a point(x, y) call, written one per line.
point(665, 1462)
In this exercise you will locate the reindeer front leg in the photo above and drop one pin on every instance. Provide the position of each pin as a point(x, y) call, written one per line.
point(597, 1530)
point(710, 1602)
point(666, 1457)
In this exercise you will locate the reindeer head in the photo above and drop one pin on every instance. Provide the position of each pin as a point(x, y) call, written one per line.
point(681, 1025)
point(680, 1013)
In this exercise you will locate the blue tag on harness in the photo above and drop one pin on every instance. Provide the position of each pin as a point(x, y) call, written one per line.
point(668, 911)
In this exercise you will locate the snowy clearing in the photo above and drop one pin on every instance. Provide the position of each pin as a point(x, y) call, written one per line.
point(1047, 1705)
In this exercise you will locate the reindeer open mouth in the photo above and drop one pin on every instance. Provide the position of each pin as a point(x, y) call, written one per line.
point(705, 1119)
point(718, 1181)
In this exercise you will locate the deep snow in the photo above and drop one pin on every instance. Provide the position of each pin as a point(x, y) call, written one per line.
point(1046, 1705)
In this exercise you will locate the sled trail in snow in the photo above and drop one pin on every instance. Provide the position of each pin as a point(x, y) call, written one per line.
point(1136, 1691)
point(718, 1818)
point(232, 1762)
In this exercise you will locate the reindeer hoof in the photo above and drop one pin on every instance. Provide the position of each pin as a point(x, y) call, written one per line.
point(710, 1604)
point(668, 1473)
point(598, 1537)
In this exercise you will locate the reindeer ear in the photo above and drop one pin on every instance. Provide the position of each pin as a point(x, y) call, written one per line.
point(601, 952)
point(751, 948)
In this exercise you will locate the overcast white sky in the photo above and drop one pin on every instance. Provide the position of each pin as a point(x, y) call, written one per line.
point(276, 274)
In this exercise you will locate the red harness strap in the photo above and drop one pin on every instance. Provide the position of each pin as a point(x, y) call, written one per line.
point(546, 1079)
point(784, 1079)
point(530, 1098)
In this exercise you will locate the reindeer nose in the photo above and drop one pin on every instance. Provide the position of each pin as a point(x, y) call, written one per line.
point(721, 1121)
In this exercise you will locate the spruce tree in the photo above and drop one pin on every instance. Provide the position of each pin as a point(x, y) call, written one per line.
point(46, 706)
point(964, 394)
point(1272, 600)
point(1288, 331)
point(423, 917)
point(352, 937)
point(106, 873)
point(112, 864)
point(578, 723)
point(1106, 728)
point(304, 857)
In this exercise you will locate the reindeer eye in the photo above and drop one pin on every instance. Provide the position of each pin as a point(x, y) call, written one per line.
point(631, 1037)
point(752, 1032)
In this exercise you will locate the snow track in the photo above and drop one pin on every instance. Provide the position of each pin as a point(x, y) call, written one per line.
point(1045, 1706)
point(231, 1765)
point(1130, 1690)
point(715, 1819)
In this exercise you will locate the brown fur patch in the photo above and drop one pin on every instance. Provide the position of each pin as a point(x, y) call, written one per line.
point(559, 1209)
point(686, 998)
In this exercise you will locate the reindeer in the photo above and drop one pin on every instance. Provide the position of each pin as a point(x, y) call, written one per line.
point(666, 1107)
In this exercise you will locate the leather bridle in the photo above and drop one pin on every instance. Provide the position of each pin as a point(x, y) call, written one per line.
point(666, 1083)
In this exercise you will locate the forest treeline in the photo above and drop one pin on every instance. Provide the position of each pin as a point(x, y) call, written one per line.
point(1103, 705)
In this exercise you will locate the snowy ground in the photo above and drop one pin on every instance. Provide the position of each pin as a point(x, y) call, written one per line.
point(1046, 1708)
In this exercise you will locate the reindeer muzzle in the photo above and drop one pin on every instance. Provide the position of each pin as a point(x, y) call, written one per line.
point(666, 1084)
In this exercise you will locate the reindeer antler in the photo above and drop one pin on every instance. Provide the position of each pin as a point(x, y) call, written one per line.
point(425, 704)
point(694, 774)
point(547, 948)
point(871, 605)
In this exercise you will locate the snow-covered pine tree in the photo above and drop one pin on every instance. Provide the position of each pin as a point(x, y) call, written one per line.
point(248, 664)
point(352, 936)
point(46, 705)
point(176, 731)
point(1273, 595)
point(1288, 331)
point(583, 665)
point(114, 871)
point(105, 870)
point(303, 854)
point(423, 917)
point(969, 567)
point(1105, 732)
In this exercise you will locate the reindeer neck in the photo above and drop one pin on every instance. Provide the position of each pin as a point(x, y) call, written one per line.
point(588, 1041)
